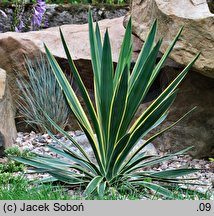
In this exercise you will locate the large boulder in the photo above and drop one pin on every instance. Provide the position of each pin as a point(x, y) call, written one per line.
point(197, 36)
point(7, 123)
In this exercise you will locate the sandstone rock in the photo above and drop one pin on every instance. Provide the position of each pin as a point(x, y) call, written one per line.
point(7, 123)
point(197, 128)
point(197, 36)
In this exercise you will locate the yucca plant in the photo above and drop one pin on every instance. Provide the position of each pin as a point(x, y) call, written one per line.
point(111, 135)
point(41, 93)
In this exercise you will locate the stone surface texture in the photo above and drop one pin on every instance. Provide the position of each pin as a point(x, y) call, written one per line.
point(197, 36)
point(7, 123)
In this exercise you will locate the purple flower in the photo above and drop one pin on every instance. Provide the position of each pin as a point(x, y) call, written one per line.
point(46, 24)
point(20, 27)
point(38, 12)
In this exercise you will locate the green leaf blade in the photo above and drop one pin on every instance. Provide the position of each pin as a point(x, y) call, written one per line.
point(93, 185)
point(106, 88)
point(124, 52)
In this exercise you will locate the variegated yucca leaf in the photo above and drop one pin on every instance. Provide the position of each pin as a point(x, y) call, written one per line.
point(118, 95)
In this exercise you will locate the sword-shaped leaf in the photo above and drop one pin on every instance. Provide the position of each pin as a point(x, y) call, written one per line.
point(99, 41)
point(93, 185)
point(144, 53)
point(157, 189)
point(174, 173)
point(124, 53)
point(106, 88)
point(144, 128)
point(138, 90)
point(82, 88)
point(117, 110)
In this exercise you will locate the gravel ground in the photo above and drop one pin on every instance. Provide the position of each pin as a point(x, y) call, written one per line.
point(37, 143)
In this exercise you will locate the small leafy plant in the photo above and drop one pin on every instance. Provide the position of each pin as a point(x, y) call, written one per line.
point(9, 178)
point(20, 188)
point(17, 22)
point(112, 137)
point(11, 166)
point(16, 151)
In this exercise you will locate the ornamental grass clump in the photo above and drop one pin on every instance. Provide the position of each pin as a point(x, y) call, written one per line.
point(41, 93)
point(112, 137)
